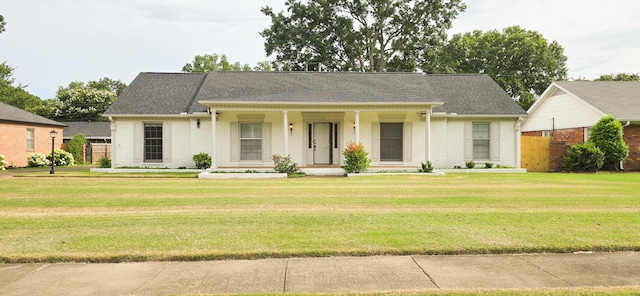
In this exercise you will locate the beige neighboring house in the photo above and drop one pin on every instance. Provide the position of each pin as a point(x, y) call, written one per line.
point(567, 110)
point(243, 118)
point(23, 133)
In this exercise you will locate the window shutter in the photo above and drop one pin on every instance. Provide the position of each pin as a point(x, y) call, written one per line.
point(495, 141)
point(138, 142)
point(235, 142)
point(375, 142)
point(166, 142)
point(408, 142)
point(266, 142)
point(468, 141)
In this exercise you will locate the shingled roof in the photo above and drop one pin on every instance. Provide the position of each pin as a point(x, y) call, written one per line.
point(620, 99)
point(175, 93)
point(14, 114)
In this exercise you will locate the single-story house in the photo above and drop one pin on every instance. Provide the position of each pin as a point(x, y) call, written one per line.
point(24, 133)
point(243, 118)
point(97, 134)
point(568, 109)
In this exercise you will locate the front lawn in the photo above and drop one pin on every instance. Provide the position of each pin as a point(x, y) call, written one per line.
point(136, 219)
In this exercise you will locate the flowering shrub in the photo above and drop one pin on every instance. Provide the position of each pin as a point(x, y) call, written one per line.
point(38, 160)
point(2, 162)
point(284, 164)
point(62, 157)
point(356, 159)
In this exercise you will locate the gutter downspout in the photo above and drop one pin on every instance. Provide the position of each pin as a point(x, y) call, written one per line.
point(518, 133)
point(622, 161)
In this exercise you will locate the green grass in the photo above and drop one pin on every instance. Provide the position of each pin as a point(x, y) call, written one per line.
point(76, 216)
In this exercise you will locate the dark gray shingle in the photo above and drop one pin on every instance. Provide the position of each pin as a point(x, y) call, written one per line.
point(11, 113)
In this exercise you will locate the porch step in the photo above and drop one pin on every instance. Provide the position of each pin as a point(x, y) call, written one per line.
point(323, 171)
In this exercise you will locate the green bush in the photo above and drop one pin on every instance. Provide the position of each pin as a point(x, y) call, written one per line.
point(283, 164)
point(202, 160)
point(75, 147)
point(104, 162)
point(488, 165)
point(38, 159)
point(426, 168)
point(607, 135)
point(3, 162)
point(470, 164)
point(356, 158)
point(583, 157)
point(62, 158)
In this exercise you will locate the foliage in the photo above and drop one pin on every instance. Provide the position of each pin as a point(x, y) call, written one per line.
point(488, 165)
point(76, 145)
point(3, 23)
point(284, 164)
point(104, 162)
point(62, 158)
point(358, 35)
point(606, 134)
point(14, 95)
point(82, 102)
point(583, 157)
point(619, 77)
point(426, 167)
point(202, 160)
point(521, 61)
point(3, 163)
point(356, 158)
point(38, 159)
point(470, 164)
point(210, 63)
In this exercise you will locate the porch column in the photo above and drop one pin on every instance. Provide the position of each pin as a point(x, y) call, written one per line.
point(357, 126)
point(285, 129)
point(427, 144)
point(214, 164)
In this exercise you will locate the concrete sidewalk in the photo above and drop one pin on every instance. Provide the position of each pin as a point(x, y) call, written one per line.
point(331, 274)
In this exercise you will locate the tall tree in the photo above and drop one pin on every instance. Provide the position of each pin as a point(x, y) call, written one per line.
point(521, 61)
point(15, 95)
point(82, 102)
point(619, 77)
point(3, 23)
point(213, 62)
point(358, 35)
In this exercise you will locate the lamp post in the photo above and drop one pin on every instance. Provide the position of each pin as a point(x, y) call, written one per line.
point(53, 135)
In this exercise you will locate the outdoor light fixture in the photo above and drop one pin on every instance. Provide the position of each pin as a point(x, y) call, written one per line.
point(53, 135)
point(354, 127)
point(291, 128)
point(198, 123)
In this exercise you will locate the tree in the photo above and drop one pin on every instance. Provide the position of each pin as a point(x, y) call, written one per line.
point(3, 23)
point(212, 63)
point(521, 61)
point(13, 95)
point(619, 77)
point(82, 102)
point(358, 35)
point(606, 134)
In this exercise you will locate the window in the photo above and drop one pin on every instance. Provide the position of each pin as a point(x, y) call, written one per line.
point(546, 133)
point(391, 141)
point(251, 141)
point(153, 142)
point(31, 146)
point(481, 140)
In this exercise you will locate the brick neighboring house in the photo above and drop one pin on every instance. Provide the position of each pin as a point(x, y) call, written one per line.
point(568, 109)
point(23, 133)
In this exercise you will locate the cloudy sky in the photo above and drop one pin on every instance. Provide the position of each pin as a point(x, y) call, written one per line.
point(52, 43)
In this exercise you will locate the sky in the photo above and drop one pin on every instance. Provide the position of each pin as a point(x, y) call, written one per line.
point(53, 43)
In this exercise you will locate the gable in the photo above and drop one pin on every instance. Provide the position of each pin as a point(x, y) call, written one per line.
point(621, 99)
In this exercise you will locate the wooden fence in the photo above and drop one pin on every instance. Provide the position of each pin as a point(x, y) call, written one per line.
point(535, 153)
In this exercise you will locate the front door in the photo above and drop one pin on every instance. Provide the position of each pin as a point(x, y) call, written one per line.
point(322, 143)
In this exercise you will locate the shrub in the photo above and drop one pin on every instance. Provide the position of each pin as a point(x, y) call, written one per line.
point(76, 145)
point(38, 160)
point(426, 168)
point(488, 165)
point(3, 162)
point(470, 164)
point(356, 158)
point(283, 164)
point(583, 157)
point(104, 162)
point(202, 160)
point(607, 135)
point(62, 158)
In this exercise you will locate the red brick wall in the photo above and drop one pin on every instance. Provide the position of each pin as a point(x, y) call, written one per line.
point(632, 138)
point(569, 136)
point(13, 142)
